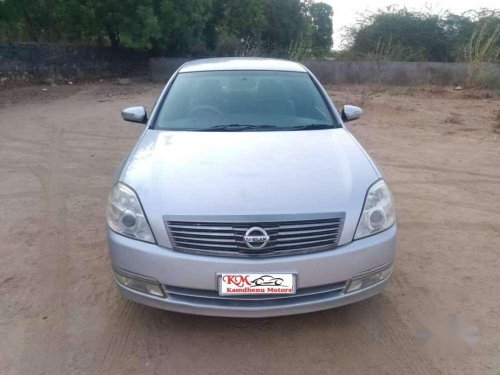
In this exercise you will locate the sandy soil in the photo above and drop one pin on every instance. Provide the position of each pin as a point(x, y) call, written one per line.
point(60, 312)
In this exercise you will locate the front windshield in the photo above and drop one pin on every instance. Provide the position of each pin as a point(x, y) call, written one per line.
point(244, 100)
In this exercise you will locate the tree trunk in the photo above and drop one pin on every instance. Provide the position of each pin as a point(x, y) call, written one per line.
point(114, 37)
point(29, 27)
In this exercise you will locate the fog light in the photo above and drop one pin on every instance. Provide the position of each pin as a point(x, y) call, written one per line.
point(365, 281)
point(354, 285)
point(155, 290)
point(141, 285)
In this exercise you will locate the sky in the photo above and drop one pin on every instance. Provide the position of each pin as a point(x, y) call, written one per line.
point(346, 11)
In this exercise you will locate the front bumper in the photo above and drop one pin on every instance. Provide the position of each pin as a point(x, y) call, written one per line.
point(193, 282)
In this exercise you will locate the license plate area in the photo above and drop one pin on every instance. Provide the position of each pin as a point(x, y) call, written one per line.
point(238, 284)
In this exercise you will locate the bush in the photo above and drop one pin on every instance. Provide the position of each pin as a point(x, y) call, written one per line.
point(442, 76)
point(397, 34)
point(488, 78)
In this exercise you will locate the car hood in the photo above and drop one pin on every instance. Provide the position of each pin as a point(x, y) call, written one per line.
point(249, 173)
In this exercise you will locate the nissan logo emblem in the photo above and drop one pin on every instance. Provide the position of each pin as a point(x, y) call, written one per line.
point(256, 238)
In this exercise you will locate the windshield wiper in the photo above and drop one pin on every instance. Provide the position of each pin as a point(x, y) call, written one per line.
point(237, 127)
point(310, 127)
point(263, 127)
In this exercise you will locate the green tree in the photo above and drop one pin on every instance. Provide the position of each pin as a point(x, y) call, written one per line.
point(245, 19)
point(126, 22)
point(286, 23)
point(31, 20)
point(213, 24)
point(415, 32)
point(322, 28)
point(183, 23)
point(130, 23)
point(174, 27)
point(399, 34)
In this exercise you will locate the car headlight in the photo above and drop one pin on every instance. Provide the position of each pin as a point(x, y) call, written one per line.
point(378, 212)
point(125, 214)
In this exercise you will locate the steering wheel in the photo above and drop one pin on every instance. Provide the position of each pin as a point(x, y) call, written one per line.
point(204, 110)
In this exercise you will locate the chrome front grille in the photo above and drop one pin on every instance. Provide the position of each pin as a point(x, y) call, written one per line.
point(225, 236)
point(212, 298)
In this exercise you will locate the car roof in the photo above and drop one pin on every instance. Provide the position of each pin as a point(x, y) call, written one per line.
point(241, 63)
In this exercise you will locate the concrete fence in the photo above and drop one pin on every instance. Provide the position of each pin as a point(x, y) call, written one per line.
point(161, 68)
point(390, 73)
point(327, 71)
point(41, 61)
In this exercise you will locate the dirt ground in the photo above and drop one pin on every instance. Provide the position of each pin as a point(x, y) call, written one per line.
point(61, 314)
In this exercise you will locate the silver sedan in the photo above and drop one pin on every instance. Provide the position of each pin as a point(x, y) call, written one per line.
point(246, 196)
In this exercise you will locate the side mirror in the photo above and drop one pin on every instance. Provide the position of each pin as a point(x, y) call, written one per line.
point(135, 114)
point(350, 113)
